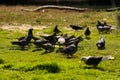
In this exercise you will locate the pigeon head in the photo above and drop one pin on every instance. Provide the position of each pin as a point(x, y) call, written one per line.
point(30, 33)
point(30, 29)
point(84, 58)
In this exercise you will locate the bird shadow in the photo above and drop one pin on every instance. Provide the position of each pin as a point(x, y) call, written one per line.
point(71, 57)
point(46, 52)
point(98, 68)
point(36, 50)
point(88, 38)
point(101, 48)
point(17, 48)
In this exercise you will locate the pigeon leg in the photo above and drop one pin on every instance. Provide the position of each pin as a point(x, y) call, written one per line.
point(22, 47)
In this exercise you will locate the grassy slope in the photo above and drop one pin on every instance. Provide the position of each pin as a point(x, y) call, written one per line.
point(17, 64)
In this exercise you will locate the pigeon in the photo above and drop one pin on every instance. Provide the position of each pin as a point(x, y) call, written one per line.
point(95, 60)
point(61, 40)
point(51, 38)
point(48, 47)
point(104, 27)
point(56, 30)
point(87, 32)
point(69, 38)
point(38, 42)
point(30, 33)
point(75, 27)
point(100, 24)
point(23, 41)
point(100, 27)
point(69, 50)
point(101, 43)
point(73, 40)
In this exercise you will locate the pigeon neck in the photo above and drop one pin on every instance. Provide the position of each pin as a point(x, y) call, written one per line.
point(30, 33)
point(102, 39)
point(54, 34)
point(56, 27)
point(76, 43)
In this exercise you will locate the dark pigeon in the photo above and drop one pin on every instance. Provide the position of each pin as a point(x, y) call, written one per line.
point(101, 43)
point(56, 30)
point(75, 27)
point(95, 60)
point(24, 41)
point(87, 32)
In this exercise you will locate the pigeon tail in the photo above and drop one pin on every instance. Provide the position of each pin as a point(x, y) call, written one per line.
point(109, 57)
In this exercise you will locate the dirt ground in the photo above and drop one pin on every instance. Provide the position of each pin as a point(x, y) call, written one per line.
point(13, 26)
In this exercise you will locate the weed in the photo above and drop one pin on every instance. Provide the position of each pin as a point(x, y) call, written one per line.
point(1, 61)
point(50, 67)
point(7, 66)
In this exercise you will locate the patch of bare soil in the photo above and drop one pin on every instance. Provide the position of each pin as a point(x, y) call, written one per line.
point(21, 27)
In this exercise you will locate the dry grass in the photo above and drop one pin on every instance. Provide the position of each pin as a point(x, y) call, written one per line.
point(50, 17)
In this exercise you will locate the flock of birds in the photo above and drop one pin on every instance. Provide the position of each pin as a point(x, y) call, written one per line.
point(68, 45)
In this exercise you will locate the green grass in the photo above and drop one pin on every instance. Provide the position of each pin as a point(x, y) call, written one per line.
point(16, 64)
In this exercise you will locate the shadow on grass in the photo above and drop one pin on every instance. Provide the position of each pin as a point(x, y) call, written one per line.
point(49, 67)
point(1, 61)
point(36, 50)
point(71, 57)
point(98, 68)
point(17, 48)
point(88, 38)
point(7, 66)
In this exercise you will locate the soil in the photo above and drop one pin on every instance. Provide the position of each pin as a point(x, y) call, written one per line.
point(13, 26)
